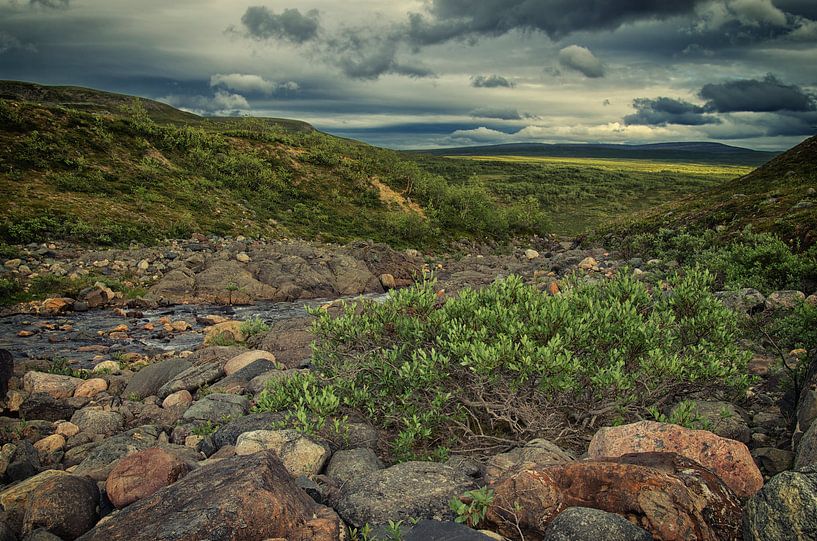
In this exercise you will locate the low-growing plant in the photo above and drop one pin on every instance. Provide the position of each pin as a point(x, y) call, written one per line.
point(204, 429)
point(472, 506)
point(62, 367)
point(685, 414)
point(494, 367)
point(253, 326)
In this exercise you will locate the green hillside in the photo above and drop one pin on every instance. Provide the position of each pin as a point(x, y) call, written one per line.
point(103, 168)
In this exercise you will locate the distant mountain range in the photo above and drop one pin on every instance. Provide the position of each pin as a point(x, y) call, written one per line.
point(697, 152)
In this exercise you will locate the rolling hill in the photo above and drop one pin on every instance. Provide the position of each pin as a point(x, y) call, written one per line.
point(695, 152)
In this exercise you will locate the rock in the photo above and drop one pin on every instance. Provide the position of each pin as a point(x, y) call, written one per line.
point(228, 434)
point(66, 429)
point(43, 406)
point(96, 420)
point(66, 506)
point(724, 419)
point(55, 306)
point(244, 359)
point(6, 371)
point(229, 331)
point(23, 463)
point(193, 378)
point(807, 448)
point(773, 461)
point(729, 459)
point(50, 444)
point(239, 382)
point(760, 365)
point(151, 378)
point(143, 265)
point(784, 508)
point(140, 474)
point(588, 263)
point(408, 490)
point(99, 295)
point(97, 461)
point(532, 254)
point(107, 367)
point(347, 466)
point(91, 387)
point(289, 340)
point(434, 530)
point(668, 495)
point(179, 398)
point(299, 454)
point(243, 498)
point(539, 452)
point(742, 300)
point(588, 524)
point(54, 385)
point(242, 257)
point(387, 281)
point(785, 300)
point(217, 407)
point(14, 499)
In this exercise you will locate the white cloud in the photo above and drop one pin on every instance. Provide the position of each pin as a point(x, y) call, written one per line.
point(220, 103)
point(247, 83)
point(581, 59)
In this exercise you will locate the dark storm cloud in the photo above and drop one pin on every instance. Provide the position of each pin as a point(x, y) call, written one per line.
point(50, 4)
point(766, 95)
point(366, 54)
point(470, 19)
point(663, 111)
point(490, 81)
point(262, 23)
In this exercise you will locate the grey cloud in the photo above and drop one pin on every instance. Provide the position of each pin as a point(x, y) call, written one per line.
point(367, 54)
point(469, 19)
point(766, 95)
point(490, 81)
point(50, 4)
point(262, 23)
point(253, 84)
point(499, 113)
point(9, 42)
point(662, 111)
point(581, 59)
point(221, 102)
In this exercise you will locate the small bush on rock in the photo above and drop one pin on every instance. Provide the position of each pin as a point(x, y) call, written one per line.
point(253, 326)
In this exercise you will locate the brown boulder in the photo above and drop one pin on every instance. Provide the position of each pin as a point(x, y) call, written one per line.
point(244, 498)
point(141, 474)
point(729, 459)
point(66, 506)
point(668, 495)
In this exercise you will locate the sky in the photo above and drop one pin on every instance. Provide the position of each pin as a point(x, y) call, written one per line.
point(437, 73)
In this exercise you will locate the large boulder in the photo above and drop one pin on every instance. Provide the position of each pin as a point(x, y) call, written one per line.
point(300, 454)
point(435, 530)
point(96, 420)
point(151, 378)
point(538, 452)
point(784, 509)
point(288, 340)
point(193, 378)
point(139, 475)
point(14, 499)
point(97, 459)
point(46, 407)
point(415, 490)
point(245, 359)
point(807, 448)
point(238, 381)
point(230, 281)
point(66, 506)
point(347, 466)
point(55, 385)
point(729, 459)
point(246, 498)
point(588, 524)
point(228, 434)
point(668, 495)
point(217, 408)
point(742, 300)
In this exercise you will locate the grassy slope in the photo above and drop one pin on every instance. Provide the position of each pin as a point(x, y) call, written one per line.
point(578, 194)
point(87, 165)
point(778, 197)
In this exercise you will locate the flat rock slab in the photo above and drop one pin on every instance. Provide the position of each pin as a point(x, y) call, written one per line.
point(729, 459)
point(405, 491)
point(150, 379)
point(247, 498)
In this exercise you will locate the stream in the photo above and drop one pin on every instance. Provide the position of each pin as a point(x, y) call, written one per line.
point(82, 338)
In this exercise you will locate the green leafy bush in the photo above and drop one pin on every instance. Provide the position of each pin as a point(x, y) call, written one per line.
point(253, 326)
point(506, 363)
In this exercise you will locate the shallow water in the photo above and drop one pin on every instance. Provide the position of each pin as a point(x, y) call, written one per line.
point(50, 342)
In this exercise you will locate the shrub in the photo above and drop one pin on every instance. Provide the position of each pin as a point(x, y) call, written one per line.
point(253, 326)
point(501, 365)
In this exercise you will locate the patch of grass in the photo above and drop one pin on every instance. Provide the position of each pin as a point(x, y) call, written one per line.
point(253, 326)
point(494, 367)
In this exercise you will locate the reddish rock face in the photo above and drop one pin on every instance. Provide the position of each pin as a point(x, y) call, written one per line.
point(729, 459)
point(673, 498)
point(141, 474)
point(244, 498)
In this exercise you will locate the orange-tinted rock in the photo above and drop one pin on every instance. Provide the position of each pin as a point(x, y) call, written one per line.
point(729, 459)
point(91, 387)
point(668, 495)
point(244, 498)
point(141, 474)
